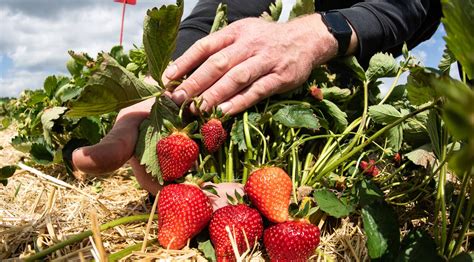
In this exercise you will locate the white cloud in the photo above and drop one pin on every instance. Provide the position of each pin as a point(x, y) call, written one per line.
point(25, 79)
point(37, 44)
point(421, 55)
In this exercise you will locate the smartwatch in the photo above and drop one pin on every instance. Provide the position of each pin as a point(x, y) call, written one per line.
point(339, 28)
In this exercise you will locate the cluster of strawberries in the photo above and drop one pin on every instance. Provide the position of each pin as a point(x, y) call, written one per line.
point(184, 210)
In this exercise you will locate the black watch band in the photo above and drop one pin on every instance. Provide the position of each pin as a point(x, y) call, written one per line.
point(339, 28)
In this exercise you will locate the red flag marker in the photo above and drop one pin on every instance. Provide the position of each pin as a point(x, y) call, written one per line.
point(125, 2)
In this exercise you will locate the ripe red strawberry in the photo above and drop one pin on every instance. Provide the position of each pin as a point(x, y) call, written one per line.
point(183, 211)
point(269, 189)
point(213, 134)
point(239, 218)
point(291, 241)
point(397, 158)
point(369, 168)
point(176, 155)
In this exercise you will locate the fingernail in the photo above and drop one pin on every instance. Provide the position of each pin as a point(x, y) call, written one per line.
point(71, 157)
point(225, 107)
point(171, 71)
point(179, 96)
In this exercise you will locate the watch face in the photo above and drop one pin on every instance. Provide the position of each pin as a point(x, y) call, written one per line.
point(337, 23)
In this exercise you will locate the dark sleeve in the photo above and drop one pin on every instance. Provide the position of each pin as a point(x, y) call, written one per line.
point(199, 22)
point(386, 25)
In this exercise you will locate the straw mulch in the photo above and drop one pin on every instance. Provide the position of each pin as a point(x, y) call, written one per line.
point(36, 213)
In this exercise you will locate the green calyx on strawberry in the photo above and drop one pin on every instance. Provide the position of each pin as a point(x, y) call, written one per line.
point(213, 134)
point(176, 154)
point(291, 240)
point(183, 211)
point(269, 190)
point(244, 224)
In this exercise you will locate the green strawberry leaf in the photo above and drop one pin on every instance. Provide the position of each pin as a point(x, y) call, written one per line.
point(47, 120)
point(446, 61)
point(237, 132)
point(381, 65)
point(160, 30)
point(302, 7)
point(74, 67)
point(5, 173)
point(90, 128)
point(458, 111)
point(336, 94)
point(67, 92)
point(461, 161)
point(117, 53)
point(21, 144)
point(110, 89)
point(395, 138)
point(458, 20)
point(384, 114)
point(205, 246)
point(424, 85)
point(381, 228)
point(5, 123)
point(418, 85)
point(41, 153)
point(329, 203)
point(367, 192)
point(50, 85)
point(339, 117)
point(297, 116)
point(433, 126)
point(418, 245)
point(145, 149)
point(351, 63)
point(275, 11)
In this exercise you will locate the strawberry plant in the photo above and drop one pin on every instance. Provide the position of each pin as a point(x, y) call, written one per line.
point(344, 149)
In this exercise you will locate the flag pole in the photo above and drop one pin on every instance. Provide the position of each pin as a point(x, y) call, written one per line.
point(123, 18)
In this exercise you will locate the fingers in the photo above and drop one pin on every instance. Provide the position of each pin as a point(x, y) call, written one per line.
point(260, 89)
point(145, 180)
point(198, 53)
point(209, 72)
point(234, 81)
point(117, 146)
point(223, 189)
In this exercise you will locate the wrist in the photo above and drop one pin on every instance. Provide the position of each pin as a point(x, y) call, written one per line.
point(342, 30)
point(324, 45)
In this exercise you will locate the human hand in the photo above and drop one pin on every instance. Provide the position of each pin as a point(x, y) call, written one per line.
point(118, 146)
point(250, 60)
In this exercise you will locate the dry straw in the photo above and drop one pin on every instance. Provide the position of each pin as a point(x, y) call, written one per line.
point(42, 206)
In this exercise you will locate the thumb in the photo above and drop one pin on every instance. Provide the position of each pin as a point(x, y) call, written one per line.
point(117, 146)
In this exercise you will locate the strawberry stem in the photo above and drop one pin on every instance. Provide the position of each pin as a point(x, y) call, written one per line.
point(264, 142)
point(294, 157)
point(330, 167)
point(229, 167)
point(129, 250)
point(248, 143)
point(220, 161)
point(79, 237)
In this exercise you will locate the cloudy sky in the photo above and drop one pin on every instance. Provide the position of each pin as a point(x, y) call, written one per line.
point(35, 36)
